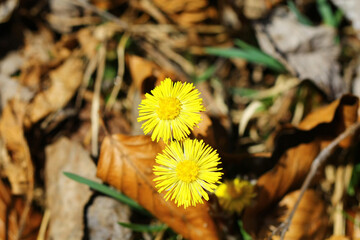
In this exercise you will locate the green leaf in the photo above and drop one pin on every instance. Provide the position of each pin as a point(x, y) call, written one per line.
point(143, 227)
point(249, 53)
point(107, 191)
point(301, 17)
point(244, 234)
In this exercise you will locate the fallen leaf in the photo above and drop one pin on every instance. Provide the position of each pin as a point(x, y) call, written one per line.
point(145, 74)
point(8, 219)
point(10, 88)
point(103, 217)
point(334, 237)
point(310, 52)
point(66, 198)
point(186, 12)
point(296, 148)
point(351, 9)
point(126, 163)
point(309, 222)
point(7, 7)
point(16, 162)
point(65, 80)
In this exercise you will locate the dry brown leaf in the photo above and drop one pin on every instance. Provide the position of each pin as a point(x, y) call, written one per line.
point(338, 238)
point(65, 80)
point(10, 212)
point(145, 74)
point(8, 222)
point(186, 12)
point(309, 222)
point(314, 133)
point(16, 162)
point(126, 163)
point(205, 130)
point(310, 52)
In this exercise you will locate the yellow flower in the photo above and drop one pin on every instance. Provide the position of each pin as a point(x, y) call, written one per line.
point(171, 110)
point(186, 170)
point(235, 195)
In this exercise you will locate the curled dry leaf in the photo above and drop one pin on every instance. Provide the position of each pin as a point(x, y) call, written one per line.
point(126, 163)
point(296, 149)
point(65, 80)
point(309, 222)
point(186, 12)
point(16, 162)
point(145, 74)
point(310, 52)
point(8, 222)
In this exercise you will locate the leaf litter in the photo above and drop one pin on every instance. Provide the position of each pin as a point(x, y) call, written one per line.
point(78, 70)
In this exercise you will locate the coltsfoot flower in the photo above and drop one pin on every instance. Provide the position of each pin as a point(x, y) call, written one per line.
point(171, 110)
point(186, 170)
point(235, 194)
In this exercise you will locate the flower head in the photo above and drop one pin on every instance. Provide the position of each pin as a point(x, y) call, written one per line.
point(171, 110)
point(234, 195)
point(186, 170)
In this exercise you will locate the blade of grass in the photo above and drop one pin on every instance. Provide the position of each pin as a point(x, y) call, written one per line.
point(244, 92)
point(108, 191)
point(301, 17)
point(253, 56)
point(205, 76)
point(260, 57)
point(355, 180)
point(143, 227)
point(244, 234)
point(326, 12)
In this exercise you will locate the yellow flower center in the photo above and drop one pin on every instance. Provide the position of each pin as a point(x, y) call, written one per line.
point(187, 171)
point(169, 108)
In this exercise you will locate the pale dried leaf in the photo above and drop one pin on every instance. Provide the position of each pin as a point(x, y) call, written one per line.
point(6, 9)
point(351, 8)
point(103, 217)
point(310, 51)
point(65, 197)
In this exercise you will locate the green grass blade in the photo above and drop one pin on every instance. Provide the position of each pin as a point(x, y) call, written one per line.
point(108, 191)
point(251, 55)
point(143, 227)
point(244, 92)
point(326, 12)
point(354, 181)
point(205, 76)
point(301, 17)
point(244, 234)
